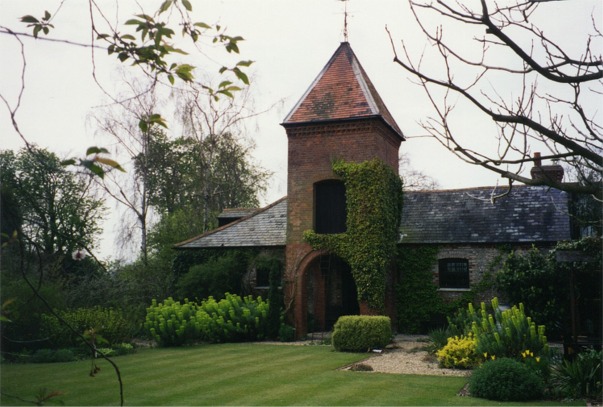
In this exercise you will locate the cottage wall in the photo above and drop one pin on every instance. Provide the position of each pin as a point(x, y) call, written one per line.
point(482, 259)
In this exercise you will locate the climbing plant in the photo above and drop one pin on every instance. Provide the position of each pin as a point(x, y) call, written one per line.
point(374, 208)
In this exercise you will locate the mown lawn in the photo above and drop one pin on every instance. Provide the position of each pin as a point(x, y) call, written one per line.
point(232, 374)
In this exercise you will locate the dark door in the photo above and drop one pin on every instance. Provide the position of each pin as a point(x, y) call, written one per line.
point(341, 293)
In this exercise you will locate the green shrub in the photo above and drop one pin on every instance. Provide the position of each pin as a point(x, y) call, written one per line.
point(358, 333)
point(108, 324)
point(169, 323)
point(25, 312)
point(507, 333)
point(506, 379)
point(232, 319)
point(459, 352)
point(213, 278)
point(52, 356)
point(286, 333)
point(124, 349)
point(579, 378)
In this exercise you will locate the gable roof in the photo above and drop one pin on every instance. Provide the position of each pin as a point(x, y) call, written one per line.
point(265, 227)
point(341, 91)
point(527, 215)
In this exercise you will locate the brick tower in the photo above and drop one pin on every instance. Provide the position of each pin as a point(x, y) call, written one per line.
point(341, 116)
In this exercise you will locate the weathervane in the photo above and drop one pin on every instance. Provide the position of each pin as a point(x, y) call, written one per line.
point(345, 20)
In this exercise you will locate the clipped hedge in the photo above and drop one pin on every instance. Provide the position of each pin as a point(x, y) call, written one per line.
point(360, 333)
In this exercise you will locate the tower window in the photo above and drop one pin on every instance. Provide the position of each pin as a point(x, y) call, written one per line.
point(329, 207)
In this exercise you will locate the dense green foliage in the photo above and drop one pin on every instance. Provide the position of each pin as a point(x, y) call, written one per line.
point(420, 308)
point(417, 301)
point(506, 379)
point(59, 212)
point(536, 279)
point(580, 377)
point(198, 175)
point(107, 324)
point(214, 277)
point(360, 333)
point(232, 319)
point(275, 299)
point(374, 208)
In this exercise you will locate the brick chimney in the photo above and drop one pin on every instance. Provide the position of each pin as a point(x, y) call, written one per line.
point(546, 172)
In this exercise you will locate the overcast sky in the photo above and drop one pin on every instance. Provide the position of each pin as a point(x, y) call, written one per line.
point(289, 40)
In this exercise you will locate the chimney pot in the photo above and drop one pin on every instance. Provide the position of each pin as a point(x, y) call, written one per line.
point(546, 172)
point(537, 160)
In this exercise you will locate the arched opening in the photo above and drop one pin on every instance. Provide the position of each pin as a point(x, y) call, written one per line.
point(331, 292)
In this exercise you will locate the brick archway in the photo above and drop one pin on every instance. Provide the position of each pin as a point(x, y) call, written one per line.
point(325, 290)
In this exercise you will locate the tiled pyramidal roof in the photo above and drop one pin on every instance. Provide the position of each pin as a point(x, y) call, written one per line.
point(342, 91)
point(528, 214)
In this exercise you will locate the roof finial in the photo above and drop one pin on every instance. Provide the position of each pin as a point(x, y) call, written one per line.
point(345, 20)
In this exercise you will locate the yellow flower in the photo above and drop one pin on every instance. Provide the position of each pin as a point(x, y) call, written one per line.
point(493, 357)
point(537, 359)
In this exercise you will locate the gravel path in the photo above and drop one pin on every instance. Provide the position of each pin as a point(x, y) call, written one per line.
point(405, 356)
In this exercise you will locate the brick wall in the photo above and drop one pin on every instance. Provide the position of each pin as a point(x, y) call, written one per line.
point(312, 150)
point(479, 258)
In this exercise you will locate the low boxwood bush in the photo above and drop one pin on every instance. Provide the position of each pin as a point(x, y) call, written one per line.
point(359, 333)
point(459, 353)
point(506, 379)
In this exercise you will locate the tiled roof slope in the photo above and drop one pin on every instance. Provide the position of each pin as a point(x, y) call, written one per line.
point(527, 214)
point(264, 228)
point(341, 91)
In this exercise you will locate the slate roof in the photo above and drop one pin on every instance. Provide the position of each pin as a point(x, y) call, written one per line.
point(264, 228)
point(528, 214)
point(341, 91)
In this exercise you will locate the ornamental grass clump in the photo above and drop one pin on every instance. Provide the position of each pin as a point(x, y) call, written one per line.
point(579, 378)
